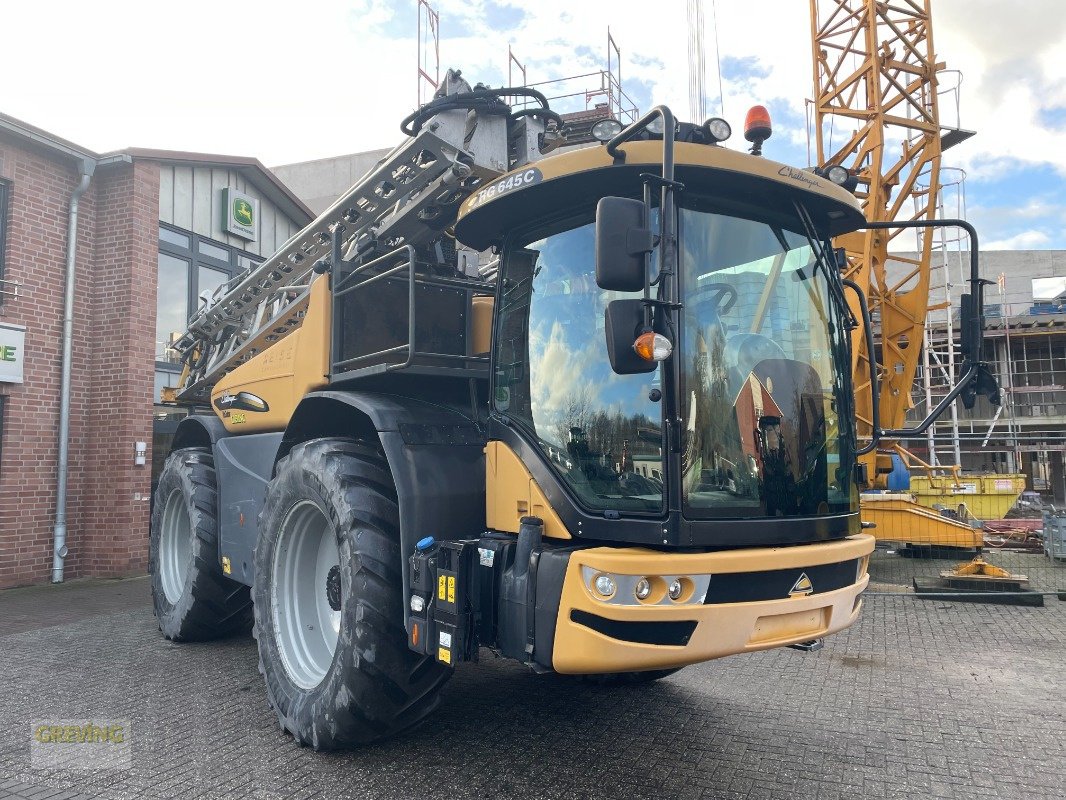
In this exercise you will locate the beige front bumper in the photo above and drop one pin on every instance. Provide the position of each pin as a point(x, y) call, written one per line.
point(721, 628)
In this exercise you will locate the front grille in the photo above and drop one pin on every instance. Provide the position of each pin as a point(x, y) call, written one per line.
point(775, 584)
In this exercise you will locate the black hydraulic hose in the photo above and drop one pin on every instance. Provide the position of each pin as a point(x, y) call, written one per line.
point(546, 113)
point(484, 100)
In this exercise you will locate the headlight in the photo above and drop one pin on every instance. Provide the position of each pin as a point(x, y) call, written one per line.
point(837, 174)
point(645, 590)
point(606, 129)
point(605, 585)
point(718, 128)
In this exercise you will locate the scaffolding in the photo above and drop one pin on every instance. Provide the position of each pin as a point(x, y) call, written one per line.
point(590, 90)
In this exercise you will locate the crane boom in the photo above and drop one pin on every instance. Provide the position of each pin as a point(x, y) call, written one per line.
point(876, 112)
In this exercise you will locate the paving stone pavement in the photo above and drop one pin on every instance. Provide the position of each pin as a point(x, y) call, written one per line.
point(920, 699)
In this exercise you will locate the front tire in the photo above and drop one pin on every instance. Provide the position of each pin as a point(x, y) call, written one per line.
point(193, 600)
point(329, 602)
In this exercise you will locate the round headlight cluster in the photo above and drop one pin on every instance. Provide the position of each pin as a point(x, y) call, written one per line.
point(837, 174)
point(643, 589)
point(718, 128)
point(606, 129)
point(605, 585)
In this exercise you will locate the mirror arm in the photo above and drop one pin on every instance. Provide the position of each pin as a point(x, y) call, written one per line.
point(875, 389)
point(906, 433)
point(977, 283)
point(975, 333)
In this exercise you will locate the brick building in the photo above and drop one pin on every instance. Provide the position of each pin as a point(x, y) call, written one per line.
point(151, 237)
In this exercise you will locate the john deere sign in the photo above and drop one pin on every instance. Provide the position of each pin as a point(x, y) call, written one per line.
point(240, 214)
point(12, 352)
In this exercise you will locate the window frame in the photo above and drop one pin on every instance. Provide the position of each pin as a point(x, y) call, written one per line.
point(196, 259)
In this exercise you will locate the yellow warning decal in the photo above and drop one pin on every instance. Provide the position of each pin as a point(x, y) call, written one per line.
point(451, 588)
point(227, 568)
point(444, 654)
point(441, 590)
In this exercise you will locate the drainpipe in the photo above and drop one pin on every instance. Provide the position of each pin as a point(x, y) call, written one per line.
point(59, 548)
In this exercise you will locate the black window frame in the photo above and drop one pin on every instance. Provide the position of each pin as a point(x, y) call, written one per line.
point(195, 259)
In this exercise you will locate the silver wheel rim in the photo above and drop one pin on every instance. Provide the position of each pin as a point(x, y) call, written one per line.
point(305, 594)
point(175, 546)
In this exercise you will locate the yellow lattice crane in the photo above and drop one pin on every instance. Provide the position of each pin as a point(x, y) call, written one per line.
point(876, 112)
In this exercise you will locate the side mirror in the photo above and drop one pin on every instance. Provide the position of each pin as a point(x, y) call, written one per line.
point(622, 244)
point(971, 325)
point(623, 322)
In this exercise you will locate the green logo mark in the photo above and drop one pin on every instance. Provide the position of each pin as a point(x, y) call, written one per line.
point(242, 212)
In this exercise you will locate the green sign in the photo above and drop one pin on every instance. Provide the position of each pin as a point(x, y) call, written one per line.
point(240, 214)
point(12, 352)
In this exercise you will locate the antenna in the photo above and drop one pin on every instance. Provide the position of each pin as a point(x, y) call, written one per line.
point(428, 52)
point(697, 67)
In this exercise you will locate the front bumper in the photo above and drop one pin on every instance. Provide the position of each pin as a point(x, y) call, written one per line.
point(593, 635)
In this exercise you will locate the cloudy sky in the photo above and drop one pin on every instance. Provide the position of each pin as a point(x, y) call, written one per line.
point(291, 82)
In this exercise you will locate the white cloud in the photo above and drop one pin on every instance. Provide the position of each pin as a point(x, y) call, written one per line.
point(1026, 240)
point(290, 82)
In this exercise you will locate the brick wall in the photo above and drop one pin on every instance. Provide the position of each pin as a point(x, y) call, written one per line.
point(114, 320)
point(122, 345)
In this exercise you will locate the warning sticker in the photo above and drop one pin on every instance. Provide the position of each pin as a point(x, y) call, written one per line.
point(451, 588)
point(444, 655)
point(445, 639)
point(442, 591)
point(485, 556)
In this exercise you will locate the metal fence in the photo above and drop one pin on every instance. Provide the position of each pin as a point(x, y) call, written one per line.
point(1015, 560)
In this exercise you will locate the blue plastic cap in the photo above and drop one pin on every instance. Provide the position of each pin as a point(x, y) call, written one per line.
point(425, 544)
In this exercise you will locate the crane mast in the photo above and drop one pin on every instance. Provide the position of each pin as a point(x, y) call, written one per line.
point(876, 112)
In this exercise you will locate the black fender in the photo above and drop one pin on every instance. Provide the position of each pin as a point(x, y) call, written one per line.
point(198, 430)
point(436, 454)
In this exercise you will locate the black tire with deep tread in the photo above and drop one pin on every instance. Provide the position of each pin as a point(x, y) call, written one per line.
point(211, 605)
point(376, 686)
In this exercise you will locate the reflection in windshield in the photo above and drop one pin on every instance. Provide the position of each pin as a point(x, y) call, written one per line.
point(763, 360)
point(600, 431)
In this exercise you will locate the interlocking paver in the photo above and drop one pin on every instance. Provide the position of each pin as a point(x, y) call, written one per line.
point(920, 699)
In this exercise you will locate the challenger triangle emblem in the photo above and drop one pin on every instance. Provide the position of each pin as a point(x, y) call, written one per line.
point(801, 587)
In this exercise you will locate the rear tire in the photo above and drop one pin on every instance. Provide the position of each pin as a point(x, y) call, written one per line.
point(193, 600)
point(329, 605)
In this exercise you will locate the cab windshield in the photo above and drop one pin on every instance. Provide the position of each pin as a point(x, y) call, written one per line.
point(764, 363)
point(600, 431)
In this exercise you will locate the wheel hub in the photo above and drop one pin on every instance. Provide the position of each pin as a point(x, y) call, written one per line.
point(305, 593)
point(333, 588)
point(175, 546)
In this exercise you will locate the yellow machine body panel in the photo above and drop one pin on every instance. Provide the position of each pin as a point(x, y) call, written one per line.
point(512, 493)
point(721, 629)
point(261, 394)
point(900, 519)
point(826, 198)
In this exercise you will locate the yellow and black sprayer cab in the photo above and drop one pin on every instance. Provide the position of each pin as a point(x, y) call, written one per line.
point(589, 408)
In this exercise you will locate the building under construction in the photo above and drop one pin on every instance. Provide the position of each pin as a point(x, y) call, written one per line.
point(1027, 328)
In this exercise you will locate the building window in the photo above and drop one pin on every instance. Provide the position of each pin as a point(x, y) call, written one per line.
point(5, 199)
point(191, 268)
